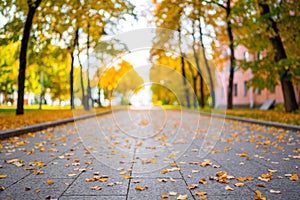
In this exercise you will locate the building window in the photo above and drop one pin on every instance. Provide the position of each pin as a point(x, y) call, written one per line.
point(245, 88)
point(235, 90)
point(246, 56)
point(259, 56)
point(257, 91)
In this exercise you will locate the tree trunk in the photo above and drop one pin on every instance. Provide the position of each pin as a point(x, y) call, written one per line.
point(232, 58)
point(88, 68)
point(289, 96)
point(185, 88)
point(24, 45)
point(211, 83)
point(202, 92)
point(72, 69)
point(42, 87)
point(83, 98)
point(198, 67)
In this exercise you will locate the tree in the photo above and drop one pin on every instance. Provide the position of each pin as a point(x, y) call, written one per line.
point(32, 5)
point(272, 32)
point(121, 79)
point(8, 66)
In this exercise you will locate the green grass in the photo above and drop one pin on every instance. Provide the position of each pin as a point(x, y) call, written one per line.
point(29, 108)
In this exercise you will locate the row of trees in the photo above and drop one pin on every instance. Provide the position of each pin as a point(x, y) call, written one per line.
point(266, 28)
point(58, 30)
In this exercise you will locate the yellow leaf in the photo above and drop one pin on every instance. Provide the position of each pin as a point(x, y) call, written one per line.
point(229, 188)
point(194, 186)
point(50, 182)
point(137, 187)
point(259, 196)
point(239, 184)
point(203, 181)
point(294, 177)
point(103, 179)
point(245, 154)
point(164, 171)
point(173, 164)
point(202, 195)
point(126, 177)
point(2, 176)
point(205, 163)
point(164, 196)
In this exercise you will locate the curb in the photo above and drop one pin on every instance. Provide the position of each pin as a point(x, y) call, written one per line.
point(37, 127)
point(255, 121)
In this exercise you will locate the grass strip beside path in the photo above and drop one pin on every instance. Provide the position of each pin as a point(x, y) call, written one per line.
point(9, 120)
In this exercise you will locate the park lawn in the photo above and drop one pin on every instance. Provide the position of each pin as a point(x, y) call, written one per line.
point(267, 115)
point(32, 115)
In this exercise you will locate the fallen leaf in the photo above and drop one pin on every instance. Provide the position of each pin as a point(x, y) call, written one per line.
point(164, 196)
point(227, 187)
point(136, 181)
point(126, 177)
point(245, 154)
point(50, 182)
point(96, 188)
point(239, 184)
point(110, 184)
point(194, 186)
point(162, 180)
point(182, 197)
point(137, 187)
point(259, 196)
point(275, 191)
point(272, 170)
point(203, 181)
point(172, 193)
point(103, 179)
point(294, 177)
point(260, 185)
point(202, 195)
point(205, 163)
point(3, 176)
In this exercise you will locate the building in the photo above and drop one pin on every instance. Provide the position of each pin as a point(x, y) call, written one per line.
point(244, 96)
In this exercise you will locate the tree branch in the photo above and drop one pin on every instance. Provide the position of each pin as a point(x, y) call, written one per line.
point(216, 3)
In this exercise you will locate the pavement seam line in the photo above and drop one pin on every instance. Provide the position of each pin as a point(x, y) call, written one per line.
point(130, 174)
point(68, 186)
point(180, 172)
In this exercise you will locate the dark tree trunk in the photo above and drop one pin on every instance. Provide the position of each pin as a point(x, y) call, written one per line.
point(211, 83)
point(72, 69)
point(42, 87)
point(195, 89)
point(83, 98)
point(202, 92)
point(232, 58)
point(185, 88)
point(198, 68)
point(88, 68)
point(24, 44)
point(289, 96)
